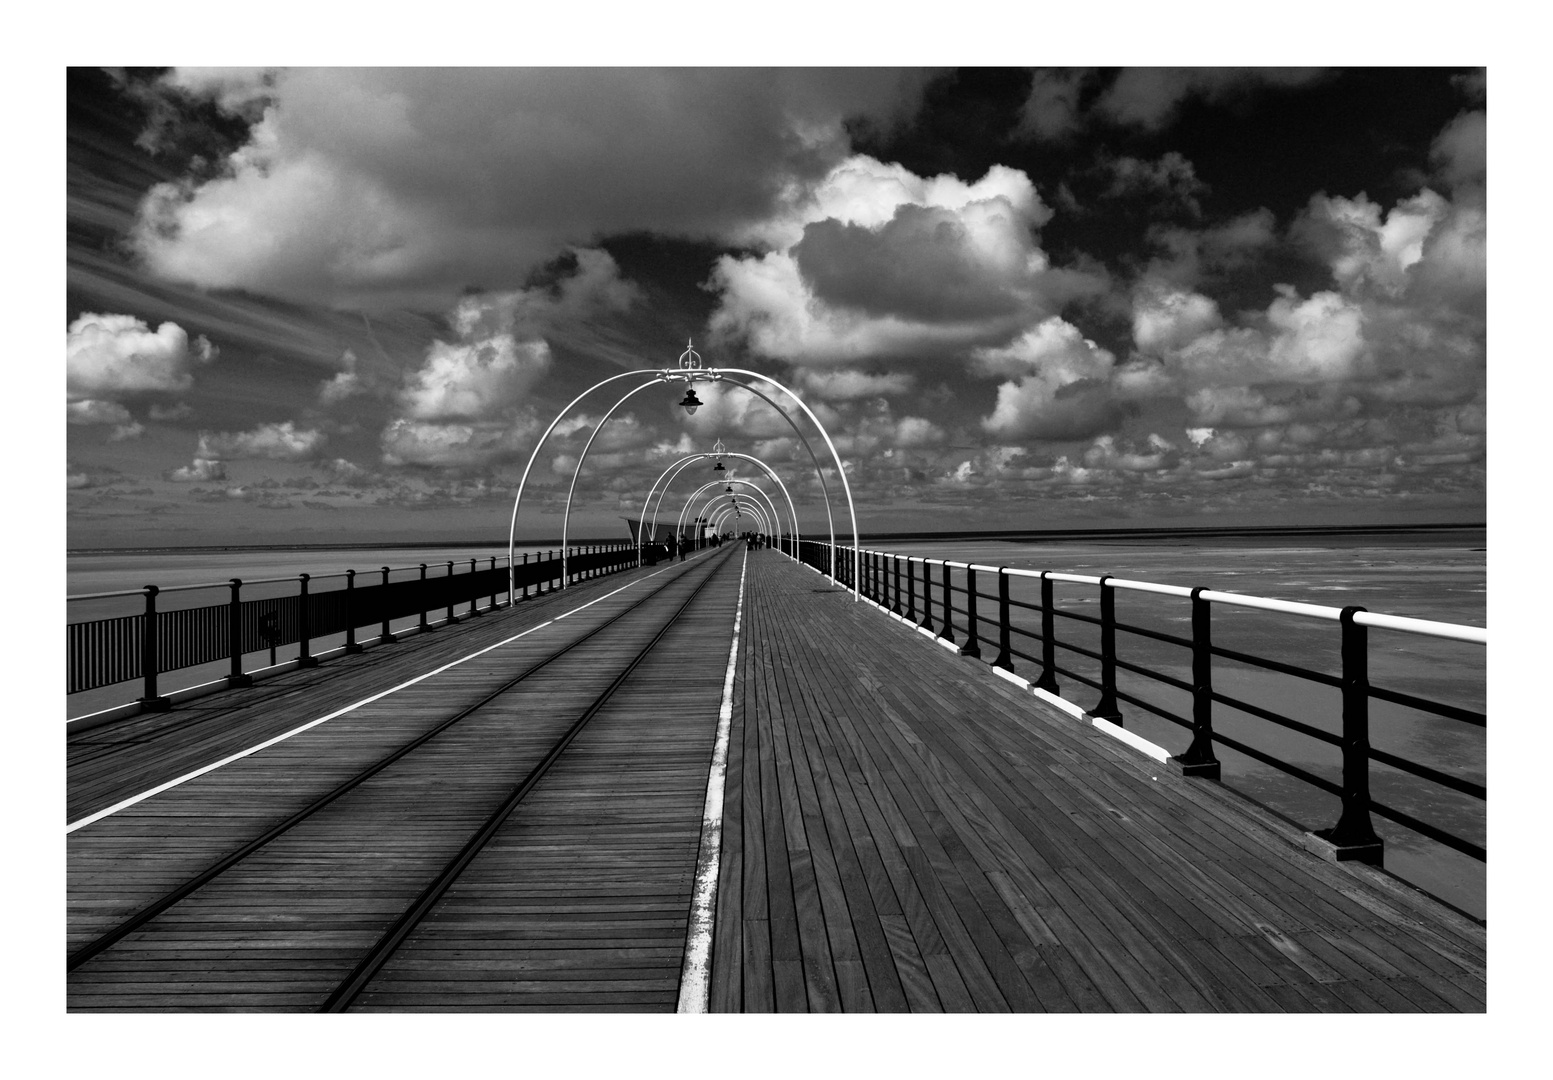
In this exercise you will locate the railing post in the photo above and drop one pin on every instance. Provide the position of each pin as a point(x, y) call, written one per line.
point(895, 599)
point(421, 591)
point(1048, 678)
point(1105, 708)
point(384, 637)
point(235, 677)
point(493, 587)
point(451, 617)
point(149, 657)
point(1199, 759)
point(911, 591)
point(304, 627)
point(947, 631)
point(474, 601)
point(1005, 659)
point(525, 576)
point(972, 647)
point(1353, 837)
point(927, 595)
point(351, 645)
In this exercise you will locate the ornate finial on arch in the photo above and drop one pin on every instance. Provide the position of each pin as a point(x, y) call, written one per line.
point(690, 360)
point(719, 449)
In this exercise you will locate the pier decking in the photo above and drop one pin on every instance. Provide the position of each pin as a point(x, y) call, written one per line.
point(901, 831)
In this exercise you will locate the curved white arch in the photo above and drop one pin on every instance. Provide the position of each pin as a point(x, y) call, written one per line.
point(566, 518)
point(745, 504)
point(512, 528)
point(680, 524)
point(692, 374)
point(680, 465)
point(846, 485)
point(776, 521)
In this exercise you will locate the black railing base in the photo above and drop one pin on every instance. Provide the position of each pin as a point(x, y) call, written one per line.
point(353, 647)
point(307, 661)
point(1320, 843)
point(239, 682)
point(1208, 770)
point(155, 704)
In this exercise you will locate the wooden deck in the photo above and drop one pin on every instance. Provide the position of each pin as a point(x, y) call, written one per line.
point(902, 831)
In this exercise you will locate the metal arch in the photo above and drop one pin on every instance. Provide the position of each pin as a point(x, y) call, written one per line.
point(691, 372)
point(678, 466)
point(776, 520)
point(743, 502)
point(566, 518)
point(846, 486)
point(680, 524)
point(818, 471)
point(512, 529)
point(747, 511)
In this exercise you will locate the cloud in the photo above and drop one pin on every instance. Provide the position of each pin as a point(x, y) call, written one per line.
point(1172, 178)
point(500, 352)
point(876, 262)
point(1062, 389)
point(1051, 112)
point(1150, 98)
point(202, 470)
point(850, 384)
point(1216, 251)
point(347, 384)
point(108, 356)
point(368, 187)
point(406, 442)
point(1460, 151)
point(278, 441)
point(96, 412)
point(473, 380)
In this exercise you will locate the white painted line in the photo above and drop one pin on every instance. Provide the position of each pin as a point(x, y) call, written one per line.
point(695, 980)
point(1137, 742)
point(186, 777)
point(1059, 702)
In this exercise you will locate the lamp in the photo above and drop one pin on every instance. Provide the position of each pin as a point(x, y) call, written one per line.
point(691, 402)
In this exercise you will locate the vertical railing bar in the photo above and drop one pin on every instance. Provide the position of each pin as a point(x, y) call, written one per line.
point(972, 646)
point(384, 636)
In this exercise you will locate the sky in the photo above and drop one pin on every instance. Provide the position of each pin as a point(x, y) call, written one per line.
point(315, 305)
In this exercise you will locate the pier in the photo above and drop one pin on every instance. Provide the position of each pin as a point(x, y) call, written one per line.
point(724, 784)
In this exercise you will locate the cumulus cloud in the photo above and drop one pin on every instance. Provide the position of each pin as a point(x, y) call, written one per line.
point(876, 262)
point(473, 380)
point(365, 187)
point(1062, 388)
point(1460, 152)
point(279, 442)
point(112, 355)
point(201, 470)
point(345, 385)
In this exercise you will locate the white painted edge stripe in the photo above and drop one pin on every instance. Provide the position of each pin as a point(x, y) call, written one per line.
point(186, 777)
point(1137, 742)
point(695, 980)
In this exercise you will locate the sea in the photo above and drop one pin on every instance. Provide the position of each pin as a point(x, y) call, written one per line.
point(1434, 574)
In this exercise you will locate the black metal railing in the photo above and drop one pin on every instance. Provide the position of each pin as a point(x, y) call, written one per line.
point(103, 652)
point(944, 598)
